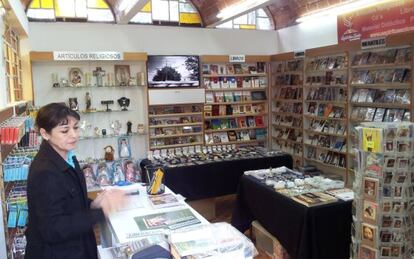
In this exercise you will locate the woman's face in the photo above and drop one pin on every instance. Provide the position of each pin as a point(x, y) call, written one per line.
point(63, 138)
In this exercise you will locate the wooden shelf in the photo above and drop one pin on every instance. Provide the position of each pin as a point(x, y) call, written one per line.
point(233, 116)
point(287, 140)
point(384, 86)
point(381, 66)
point(176, 145)
point(382, 105)
point(237, 75)
point(323, 85)
point(325, 148)
point(175, 114)
point(288, 100)
point(288, 114)
point(320, 71)
point(337, 103)
point(236, 89)
point(238, 142)
point(324, 133)
point(358, 121)
point(102, 111)
point(291, 86)
point(175, 125)
point(235, 129)
point(323, 118)
point(286, 127)
point(241, 102)
point(176, 135)
point(324, 164)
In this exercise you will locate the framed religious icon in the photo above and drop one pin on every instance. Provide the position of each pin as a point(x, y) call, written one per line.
point(124, 149)
point(371, 188)
point(122, 75)
point(75, 76)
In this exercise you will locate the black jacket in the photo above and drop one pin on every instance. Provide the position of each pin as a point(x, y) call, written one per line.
point(60, 219)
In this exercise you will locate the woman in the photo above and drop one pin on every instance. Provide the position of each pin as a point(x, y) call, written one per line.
point(61, 217)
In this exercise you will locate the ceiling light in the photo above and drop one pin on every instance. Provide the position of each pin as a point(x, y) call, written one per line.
point(239, 8)
point(336, 10)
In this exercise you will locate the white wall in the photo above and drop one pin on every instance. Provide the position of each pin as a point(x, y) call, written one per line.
point(319, 33)
point(150, 39)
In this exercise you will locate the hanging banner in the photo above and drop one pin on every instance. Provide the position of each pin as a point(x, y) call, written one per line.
point(377, 21)
point(87, 55)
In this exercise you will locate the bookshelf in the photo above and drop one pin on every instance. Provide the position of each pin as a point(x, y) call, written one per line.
point(175, 125)
point(325, 111)
point(236, 100)
point(287, 106)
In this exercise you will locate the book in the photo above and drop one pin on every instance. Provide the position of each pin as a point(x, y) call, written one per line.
point(344, 194)
point(163, 200)
point(313, 199)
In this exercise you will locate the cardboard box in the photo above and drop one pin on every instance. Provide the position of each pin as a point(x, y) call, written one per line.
point(268, 243)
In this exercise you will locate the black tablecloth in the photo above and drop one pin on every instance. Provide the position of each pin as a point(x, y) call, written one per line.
point(217, 178)
point(319, 232)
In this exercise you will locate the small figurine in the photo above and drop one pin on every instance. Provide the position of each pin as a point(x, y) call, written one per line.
point(99, 73)
point(129, 128)
point(89, 176)
point(124, 103)
point(109, 153)
point(73, 103)
point(103, 177)
point(88, 101)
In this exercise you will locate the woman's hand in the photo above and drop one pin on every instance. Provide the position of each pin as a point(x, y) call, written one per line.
point(109, 201)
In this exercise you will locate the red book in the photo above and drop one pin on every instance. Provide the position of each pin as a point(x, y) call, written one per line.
point(259, 121)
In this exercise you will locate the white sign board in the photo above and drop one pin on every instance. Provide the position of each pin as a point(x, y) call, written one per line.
point(87, 55)
point(373, 43)
point(237, 58)
point(176, 96)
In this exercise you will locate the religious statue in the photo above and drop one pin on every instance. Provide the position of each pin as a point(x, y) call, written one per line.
point(88, 101)
point(129, 128)
point(99, 73)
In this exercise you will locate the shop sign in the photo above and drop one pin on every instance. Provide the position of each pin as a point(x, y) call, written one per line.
point(82, 55)
point(237, 58)
point(377, 21)
point(373, 43)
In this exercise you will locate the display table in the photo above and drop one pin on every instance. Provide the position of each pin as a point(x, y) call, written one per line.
point(122, 225)
point(216, 179)
point(320, 232)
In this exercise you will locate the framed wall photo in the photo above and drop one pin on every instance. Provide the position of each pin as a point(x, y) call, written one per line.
point(122, 75)
point(75, 76)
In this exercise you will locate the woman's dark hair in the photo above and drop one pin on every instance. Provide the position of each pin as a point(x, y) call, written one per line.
point(54, 114)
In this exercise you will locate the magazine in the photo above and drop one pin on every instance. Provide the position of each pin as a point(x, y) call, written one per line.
point(167, 220)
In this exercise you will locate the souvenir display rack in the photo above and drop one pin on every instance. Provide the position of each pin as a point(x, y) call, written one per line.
point(175, 125)
point(384, 191)
point(110, 95)
point(13, 235)
point(235, 110)
point(380, 89)
point(325, 110)
point(287, 106)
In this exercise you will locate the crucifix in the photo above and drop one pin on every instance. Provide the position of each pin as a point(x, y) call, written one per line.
point(99, 73)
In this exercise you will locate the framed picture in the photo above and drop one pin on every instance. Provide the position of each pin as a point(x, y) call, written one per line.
point(89, 175)
point(371, 188)
point(369, 234)
point(124, 148)
point(73, 104)
point(366, 252)
point(370, 211)
point(122, 75)
point(75, 76)
point(118, 170)
point(132, 175)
